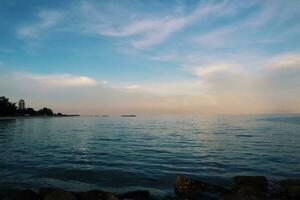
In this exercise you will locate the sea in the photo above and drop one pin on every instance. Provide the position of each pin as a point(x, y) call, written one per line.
point(145, 152)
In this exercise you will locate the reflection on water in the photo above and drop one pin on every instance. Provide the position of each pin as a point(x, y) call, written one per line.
point(145, 152)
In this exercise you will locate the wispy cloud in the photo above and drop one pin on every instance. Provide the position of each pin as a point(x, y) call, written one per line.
point(152, 31)
point(236, 56)
point(289, 60)
point(59, 80)
point(246, 30)
point(46, 20)
point(165, 57)
point(203, 71)
point(215, 38)
point(132, 87)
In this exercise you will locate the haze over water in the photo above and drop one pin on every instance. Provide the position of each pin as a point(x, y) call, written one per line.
point(80, 153)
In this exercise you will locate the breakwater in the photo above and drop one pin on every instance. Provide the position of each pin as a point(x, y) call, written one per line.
point(185, 188)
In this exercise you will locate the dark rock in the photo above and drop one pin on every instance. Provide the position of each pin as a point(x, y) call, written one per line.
point(97, 195)
point(248, 188)
point(292, 187)
point(56, 194)
point(188, 186)
point(194, 196)
point(257, 183)
point(90, 195)
point(169, 197)
point(184, 185)
point(277, 192)
point(23, 195)
point(136, 195)
point(239, 196)
point(110, 196)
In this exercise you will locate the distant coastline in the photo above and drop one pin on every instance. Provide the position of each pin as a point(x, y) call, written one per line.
point(9, 110)
point(38, 116)
point(128, 115)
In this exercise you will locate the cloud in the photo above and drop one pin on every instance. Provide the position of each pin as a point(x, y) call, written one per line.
point(137, 27)
point(219, 76)
point(219, 89)
point(7, 50)
point(143, 29)
point(58, 80)
point(216, 38)
point(46, 20)
point(213, 68)
point(160, 33)
point(164, 57)
point(165, 88)
point(170, 25)
point(132, 87)
point(289, 60)
point(150, 31)
point(239, 89)
point(247, 29)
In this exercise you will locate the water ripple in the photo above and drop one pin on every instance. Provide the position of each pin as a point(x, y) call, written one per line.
point(145, 152)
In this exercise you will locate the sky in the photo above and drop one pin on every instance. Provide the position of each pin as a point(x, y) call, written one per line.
point(152, 57)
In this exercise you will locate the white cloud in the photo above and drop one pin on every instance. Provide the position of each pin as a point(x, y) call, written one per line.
point(132, 87)
point(169, 88)
point(214, 68)
point(216, 38)
point(169, 25)
point(245, 31)
point(160, 33)
point(47, 19)
point(164, 57)
point(285, 61)
point(152, 31)
point(220, 90)
point(137, 27)
point(59, 80)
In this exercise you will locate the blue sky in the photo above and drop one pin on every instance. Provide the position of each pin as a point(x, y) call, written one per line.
point(208, 57)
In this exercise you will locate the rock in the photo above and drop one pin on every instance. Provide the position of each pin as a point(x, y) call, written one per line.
point(276, 191)
point(136, 195)
point(292, 187)
point(238, 196)
point(194, 196)
point(187, 186)
point(184, 185)
point(257, 183)
point(90, 195)
point(97, 195)
point(56, 194)
point(248, 188)
point(169, 197)
point(23, 195)
point(110, 196)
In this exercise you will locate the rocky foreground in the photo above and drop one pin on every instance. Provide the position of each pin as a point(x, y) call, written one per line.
point(245, 188)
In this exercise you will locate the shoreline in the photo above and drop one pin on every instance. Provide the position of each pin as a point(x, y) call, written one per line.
point(30, 117)
point(185, 188)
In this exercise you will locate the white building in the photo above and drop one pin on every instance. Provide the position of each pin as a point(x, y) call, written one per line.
point(21, 104)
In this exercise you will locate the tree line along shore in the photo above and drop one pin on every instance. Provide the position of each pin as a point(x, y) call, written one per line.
point(185, 188)
point(9, 109)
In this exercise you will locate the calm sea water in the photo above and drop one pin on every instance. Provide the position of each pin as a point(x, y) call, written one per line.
point(118, 154)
